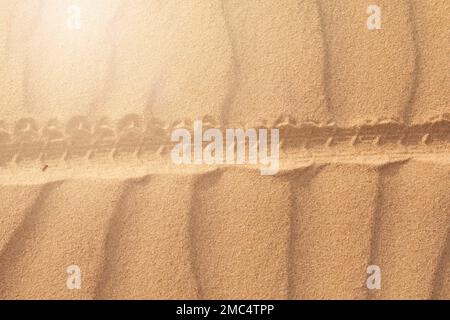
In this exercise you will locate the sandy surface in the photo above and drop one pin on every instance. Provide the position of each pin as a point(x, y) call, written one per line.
point(86, 178)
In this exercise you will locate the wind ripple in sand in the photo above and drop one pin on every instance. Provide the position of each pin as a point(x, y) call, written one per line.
point(279, 50)
point(241, 235)
point(370, 72)
point(331, 243)
point(413, 229)
point(12, 264)
point(148, 250)
point(441, 281)
point(200, 236)
point(175, 53)
point(432, 36)
point(228, 233)
point(12, 212)
point(66, 226)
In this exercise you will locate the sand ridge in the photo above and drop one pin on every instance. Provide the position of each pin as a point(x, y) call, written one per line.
point(126, 260)
point(86, 178)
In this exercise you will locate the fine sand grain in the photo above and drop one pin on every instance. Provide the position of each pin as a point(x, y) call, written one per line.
point(86, 177)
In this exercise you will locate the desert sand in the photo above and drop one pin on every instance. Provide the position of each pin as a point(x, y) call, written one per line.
point(86, 177)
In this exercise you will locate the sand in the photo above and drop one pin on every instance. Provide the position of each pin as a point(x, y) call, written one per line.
point(86, 177)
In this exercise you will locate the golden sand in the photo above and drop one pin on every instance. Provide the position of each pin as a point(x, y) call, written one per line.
point(85, 171)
